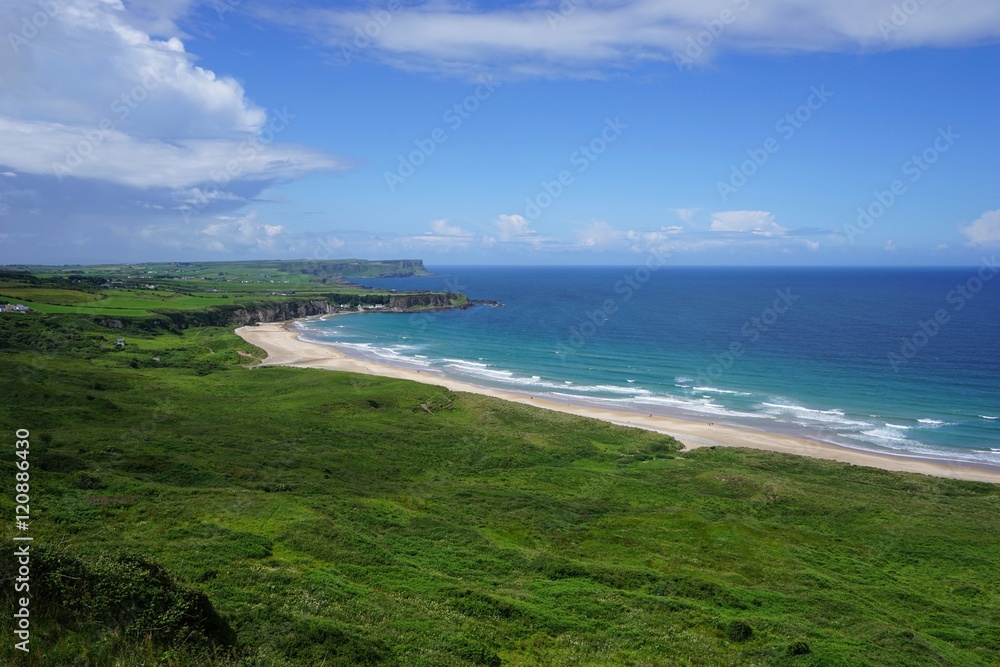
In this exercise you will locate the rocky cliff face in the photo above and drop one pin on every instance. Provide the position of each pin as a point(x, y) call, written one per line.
point(400, 302)
point(280, 311)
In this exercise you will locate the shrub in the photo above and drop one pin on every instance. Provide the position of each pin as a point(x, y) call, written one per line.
point(738, 631)
point(89, 482)
point(798, 648)
point(124, 593)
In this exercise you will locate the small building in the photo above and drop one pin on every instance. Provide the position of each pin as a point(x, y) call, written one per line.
point(13, 308)
point(120, 342)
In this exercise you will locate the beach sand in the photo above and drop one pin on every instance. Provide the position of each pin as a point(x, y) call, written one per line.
point(283, 347)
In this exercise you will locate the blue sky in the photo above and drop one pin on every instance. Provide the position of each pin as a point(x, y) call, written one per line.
point(564, 132)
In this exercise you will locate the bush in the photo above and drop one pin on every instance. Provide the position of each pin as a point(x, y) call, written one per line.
point(89, 482)
point(123, 593)
point(738, 631)
point(799, 648)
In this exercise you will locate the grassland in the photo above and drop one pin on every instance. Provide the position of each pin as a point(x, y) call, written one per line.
point(335, 519)
point(149, 289)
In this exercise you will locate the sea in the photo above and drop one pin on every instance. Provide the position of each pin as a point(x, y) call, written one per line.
point(893, 360)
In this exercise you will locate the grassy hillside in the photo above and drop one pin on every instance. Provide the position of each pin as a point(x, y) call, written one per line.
point(279, 516)
point(139, 291)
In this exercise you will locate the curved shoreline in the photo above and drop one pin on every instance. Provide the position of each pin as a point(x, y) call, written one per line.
point(285, 348)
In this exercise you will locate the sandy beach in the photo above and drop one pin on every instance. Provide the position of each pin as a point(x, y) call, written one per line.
point(284, 348)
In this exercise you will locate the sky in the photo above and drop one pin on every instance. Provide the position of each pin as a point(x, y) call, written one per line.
point(577, 132)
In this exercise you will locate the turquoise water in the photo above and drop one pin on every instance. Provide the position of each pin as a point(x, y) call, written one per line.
point(897, 360)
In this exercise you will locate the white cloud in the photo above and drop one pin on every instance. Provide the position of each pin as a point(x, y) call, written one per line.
point(442, 228)
point(241, 233)
point(222, 234)
point(513, 227)
point(686, 214)
point(890, 246)
point(756, 222)
point(63, 150)
point(88, 64)
point(600, 234)
point(731, 230)
point(441, 237)
point(591, 36)
point(985, 230)
point(96, 111)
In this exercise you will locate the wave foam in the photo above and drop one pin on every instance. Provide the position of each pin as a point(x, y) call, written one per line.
point(715, 390)
point(835, 416)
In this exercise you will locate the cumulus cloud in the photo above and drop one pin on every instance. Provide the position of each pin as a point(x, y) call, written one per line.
point(442, 228)
point(88, 64)
point(222, 234)
point(441, 237)
point(686, 214)
point(985, 230)
point(104, 115)
point(599, 234)
point(756, 222)
point(227, 233)
point(729, 230)
point(513, 227)
point(587, 37)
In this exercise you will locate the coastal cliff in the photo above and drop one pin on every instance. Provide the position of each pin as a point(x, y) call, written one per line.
point(252, 312)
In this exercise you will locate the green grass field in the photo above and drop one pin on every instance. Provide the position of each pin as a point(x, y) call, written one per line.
point(338, 519)
point(124, 290)
point(41, 295)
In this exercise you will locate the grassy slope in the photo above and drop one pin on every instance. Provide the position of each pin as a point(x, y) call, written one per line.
point(76, 289)
point(363, 520)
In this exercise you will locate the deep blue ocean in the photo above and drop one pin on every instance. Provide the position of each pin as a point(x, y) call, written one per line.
point(899, 360)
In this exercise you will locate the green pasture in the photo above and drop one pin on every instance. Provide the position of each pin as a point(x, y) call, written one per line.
point(339, 519)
